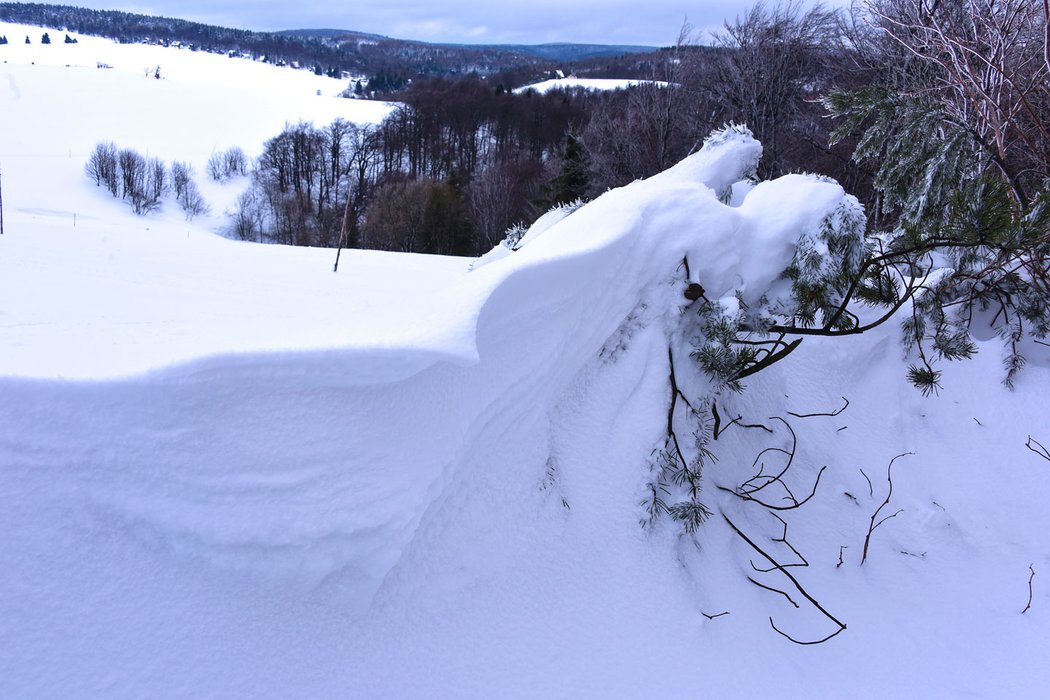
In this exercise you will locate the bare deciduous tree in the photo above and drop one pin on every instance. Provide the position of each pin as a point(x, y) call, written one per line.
point(102, 166)
point(394, 219)
point(982, 63)
point(775, 61)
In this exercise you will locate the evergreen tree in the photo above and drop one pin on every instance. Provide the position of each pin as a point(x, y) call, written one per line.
point(45, 39)
point(572, 181)
point(961, 174)
point(27, 39)
point(445, 220)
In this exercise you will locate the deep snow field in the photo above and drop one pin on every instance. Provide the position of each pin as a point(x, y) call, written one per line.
point(228, 472)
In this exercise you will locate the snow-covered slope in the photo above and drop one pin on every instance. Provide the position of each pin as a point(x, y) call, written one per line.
point(226, 471)
point(57, 105)
point(584, 83)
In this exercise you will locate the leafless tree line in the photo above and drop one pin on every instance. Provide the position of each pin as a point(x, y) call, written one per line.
point(142, 181)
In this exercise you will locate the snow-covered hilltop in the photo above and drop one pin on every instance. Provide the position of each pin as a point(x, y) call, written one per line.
point(573, 82)
point(226, 471)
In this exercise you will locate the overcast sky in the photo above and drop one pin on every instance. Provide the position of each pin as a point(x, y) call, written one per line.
point(647, 22)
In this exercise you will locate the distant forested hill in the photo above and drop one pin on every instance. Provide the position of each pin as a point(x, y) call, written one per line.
point(390, 62)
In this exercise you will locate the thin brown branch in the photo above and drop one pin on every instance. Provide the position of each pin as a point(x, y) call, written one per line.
point(871, 489)
point(795, 503)
point(783, 540)
point(718, 430)
point(794, 581)
point(1031, 567)
point(716, 615)
point(800, 642)
point(779, 477)
point(830, 415)
point(774, 590)
point(899, 511)
point(1038, 448)
point(873, 524)
point(674, 394)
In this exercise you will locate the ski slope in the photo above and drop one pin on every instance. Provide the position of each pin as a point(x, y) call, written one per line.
point(228, 472)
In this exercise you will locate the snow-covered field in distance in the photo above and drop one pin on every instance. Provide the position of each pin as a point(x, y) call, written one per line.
point(584, 83)
point(228, 472)
point(114, 302)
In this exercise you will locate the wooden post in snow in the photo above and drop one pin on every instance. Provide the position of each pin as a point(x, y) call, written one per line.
point(342, 232)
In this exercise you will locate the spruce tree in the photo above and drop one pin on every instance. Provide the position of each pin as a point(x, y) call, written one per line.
point(573, 180)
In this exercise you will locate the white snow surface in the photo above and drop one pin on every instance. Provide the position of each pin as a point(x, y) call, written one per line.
point(573, 82)
point(228, 472)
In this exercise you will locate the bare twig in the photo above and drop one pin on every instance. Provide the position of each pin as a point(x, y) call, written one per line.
point(873, 525)
point(790, 453)
point(1031, 567)
point(1038, 449)
point(783, 540)
point(830, 415)
point(794, 581)
point(799, 642)
point(795, 503)
point(773, 590)
point(842, 547)
point(675, 393)
point(685, 262)
point(712, 617)
point(871, 489)
point(719, 429)
point(747, 490)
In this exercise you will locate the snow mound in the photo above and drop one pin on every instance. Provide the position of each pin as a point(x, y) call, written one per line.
point(526, 324)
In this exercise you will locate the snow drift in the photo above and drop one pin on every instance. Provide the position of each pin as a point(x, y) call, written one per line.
point(321, 463)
